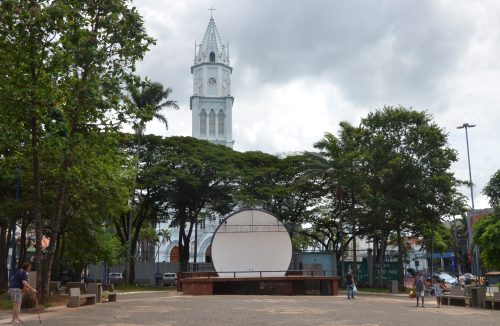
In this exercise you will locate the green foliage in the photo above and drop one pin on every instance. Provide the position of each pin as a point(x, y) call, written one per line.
point(487, 229)
point(64, 64)
point(183, 178)
point(440, 234)
point(487, 236)
point(492, 190)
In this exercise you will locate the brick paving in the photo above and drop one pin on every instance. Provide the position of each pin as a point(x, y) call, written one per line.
point(170, 308)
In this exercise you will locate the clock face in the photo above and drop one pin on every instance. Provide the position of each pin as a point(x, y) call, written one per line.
point(212, 81)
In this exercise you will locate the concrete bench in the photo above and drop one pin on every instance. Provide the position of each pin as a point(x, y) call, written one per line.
point(141, 281)
point(75, 296)
point(79, 285)
point(110, 292)
point(492, 303)
point(454, 300)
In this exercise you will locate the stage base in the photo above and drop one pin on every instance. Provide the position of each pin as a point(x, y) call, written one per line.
point(288, 285)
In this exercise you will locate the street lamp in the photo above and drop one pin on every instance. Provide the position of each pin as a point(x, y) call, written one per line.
point(466, 126)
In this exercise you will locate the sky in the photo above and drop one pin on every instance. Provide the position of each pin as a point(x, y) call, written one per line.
point(300, 67)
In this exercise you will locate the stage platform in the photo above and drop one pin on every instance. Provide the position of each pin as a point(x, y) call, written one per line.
point(285, 285)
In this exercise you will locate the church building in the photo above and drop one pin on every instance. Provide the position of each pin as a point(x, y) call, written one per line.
point(211, 105)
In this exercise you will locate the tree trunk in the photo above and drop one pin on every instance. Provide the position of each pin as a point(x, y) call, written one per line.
point(401, 281)
point(130, 259)
point(180, 242)
point(4, 284)
point(381, 261)
point(131, 265)
point(37, 201)
point(22, 239)
point(354, 252)
point(54, 235)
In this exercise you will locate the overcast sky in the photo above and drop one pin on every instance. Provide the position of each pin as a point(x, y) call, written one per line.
point(301, 67)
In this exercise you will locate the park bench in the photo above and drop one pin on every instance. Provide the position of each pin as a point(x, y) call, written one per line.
point(492, 303)
point(110, 292)
point(455, 298)
point(141, 281)
point(80, 285)
point(75, 296)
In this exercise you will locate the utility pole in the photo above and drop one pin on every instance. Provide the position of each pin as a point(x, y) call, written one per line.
point(477, 263)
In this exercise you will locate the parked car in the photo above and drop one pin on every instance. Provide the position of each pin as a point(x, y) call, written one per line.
point(446, 278)
point(466, 278)
point(116, 278)
point(169, 279)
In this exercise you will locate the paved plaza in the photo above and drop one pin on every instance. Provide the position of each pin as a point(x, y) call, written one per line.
point(170, 308)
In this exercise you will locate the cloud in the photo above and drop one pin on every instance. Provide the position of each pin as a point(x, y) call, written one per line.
point(301, 67)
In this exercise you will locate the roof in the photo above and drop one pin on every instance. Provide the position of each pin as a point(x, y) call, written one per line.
point(212, 43)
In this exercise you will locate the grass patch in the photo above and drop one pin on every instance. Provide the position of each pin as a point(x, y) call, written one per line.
point(138, 288)
point(5, 303)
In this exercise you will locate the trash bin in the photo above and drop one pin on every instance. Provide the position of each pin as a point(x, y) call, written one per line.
point(477, 296)
point(158, 277)
point(393, 287)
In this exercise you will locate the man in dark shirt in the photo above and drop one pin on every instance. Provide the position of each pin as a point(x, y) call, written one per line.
point(349, 283)
point(18, 281)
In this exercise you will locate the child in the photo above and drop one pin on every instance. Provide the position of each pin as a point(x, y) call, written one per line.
point(419, 288)
point(438, 288)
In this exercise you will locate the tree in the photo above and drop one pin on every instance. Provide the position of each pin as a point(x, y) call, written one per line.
point(27, 30)
point(279, 186)
point(200, 180)
point(492, 190)
point(407, 169)
point(71, 59)
point(149, 99)
point(184, 178)
point(487, 237)
point(487, 229)
point(338, 165)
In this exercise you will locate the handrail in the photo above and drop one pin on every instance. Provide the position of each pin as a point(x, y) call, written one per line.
point(260, 273)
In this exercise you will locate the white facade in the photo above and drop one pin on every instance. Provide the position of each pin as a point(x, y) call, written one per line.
point(212, 103)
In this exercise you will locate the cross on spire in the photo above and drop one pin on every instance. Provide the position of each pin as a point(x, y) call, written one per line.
point(211, 11)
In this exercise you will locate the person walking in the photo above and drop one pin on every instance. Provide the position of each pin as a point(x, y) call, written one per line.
point(419, 288)
point(17, 282)
point(438, 288)
point(349, 283)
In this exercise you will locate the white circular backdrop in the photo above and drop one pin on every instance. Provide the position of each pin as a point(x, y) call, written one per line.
point(249, 242)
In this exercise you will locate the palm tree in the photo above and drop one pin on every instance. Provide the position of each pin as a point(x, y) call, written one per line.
point(149, 99)
point(335, 165)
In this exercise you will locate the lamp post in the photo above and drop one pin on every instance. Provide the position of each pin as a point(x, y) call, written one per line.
point(466, 126)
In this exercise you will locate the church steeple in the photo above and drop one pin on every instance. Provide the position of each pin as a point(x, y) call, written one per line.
point(212, 103)
point(211, 49)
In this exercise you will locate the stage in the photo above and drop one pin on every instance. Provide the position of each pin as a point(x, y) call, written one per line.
point(285, 285)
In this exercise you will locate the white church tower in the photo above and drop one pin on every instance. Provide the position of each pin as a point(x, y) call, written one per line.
point(212, 103)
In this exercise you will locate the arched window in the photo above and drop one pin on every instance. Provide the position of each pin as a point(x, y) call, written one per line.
point(220, 123)
point(211, 123)
point(203, 123)
point(212, 57)
point(208, 254)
